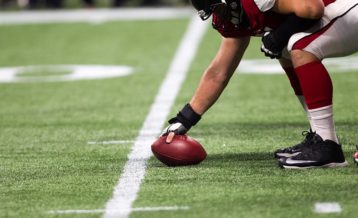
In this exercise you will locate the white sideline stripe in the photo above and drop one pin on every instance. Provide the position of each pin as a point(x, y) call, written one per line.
point(125, 192)
point(267, 66)
point(138, 209)
point(160, 208)
point(93, 15)
point(114, 142)
point(327, 207)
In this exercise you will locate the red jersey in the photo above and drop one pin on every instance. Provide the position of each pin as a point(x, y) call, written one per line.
point(259, 20)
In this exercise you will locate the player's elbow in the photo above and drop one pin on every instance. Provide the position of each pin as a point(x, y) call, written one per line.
point(311, 10)
point(315, 11)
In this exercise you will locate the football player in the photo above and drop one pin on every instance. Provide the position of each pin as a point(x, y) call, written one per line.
point(237, 21)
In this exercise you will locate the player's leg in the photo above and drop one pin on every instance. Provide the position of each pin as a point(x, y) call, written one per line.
point(317, 87)
point(332, 40)
point(309, 135)
point(323, 150)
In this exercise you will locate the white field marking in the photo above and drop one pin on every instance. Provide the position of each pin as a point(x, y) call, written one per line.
point(113, 142)
point(93, 15)
point(118, 142)
point(76, 72)
point(327, 207)
point(267, 66)
point(125, 192)
point(89, 72)
point(138, 209)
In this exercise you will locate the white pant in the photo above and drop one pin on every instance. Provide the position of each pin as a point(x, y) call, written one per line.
point(335, 35)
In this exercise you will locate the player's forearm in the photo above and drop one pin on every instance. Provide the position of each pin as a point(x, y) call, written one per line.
point(210, 88)
point(218, 74)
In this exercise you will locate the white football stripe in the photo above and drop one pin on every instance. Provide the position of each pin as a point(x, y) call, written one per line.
point(75, 72)
point(113, 142)
point(125, 192)
point(93, 15)
point(267, 66)
point(327, 207)
point(90, 72)
point(138, 209)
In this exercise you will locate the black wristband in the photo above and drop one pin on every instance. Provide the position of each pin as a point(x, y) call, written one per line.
point(187, 116)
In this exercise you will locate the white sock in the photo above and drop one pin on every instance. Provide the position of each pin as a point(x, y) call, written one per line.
point(301, 98)
point(322, 122)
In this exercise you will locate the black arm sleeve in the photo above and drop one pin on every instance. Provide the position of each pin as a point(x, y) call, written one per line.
point(290, 26)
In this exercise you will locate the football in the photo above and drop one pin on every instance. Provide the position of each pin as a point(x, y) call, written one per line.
point(182, 151)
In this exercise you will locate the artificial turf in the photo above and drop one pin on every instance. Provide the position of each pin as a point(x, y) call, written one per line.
point(47, 164)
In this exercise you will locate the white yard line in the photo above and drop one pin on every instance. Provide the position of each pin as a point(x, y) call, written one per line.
point(93, 15)
point(147, 209)
point(75, 211)
point(112, 142)
point(327, 207)
point(125, 192)
point(138, 209)
point(120, 142)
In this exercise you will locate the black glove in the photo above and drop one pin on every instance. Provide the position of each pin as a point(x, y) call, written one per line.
point(184, 120)
point(270, 46)
point(274, 42)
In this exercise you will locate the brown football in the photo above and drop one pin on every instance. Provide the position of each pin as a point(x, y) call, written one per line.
point(182, 151)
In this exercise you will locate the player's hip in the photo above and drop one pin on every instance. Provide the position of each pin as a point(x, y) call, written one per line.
point(334, 35)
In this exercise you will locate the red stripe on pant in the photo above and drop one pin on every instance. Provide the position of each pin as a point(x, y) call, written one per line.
point(316, 84)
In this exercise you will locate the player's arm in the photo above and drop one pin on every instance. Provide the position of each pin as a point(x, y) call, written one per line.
point(311, 9)
point(218, 74)
point(212, 83)
point(302, 14)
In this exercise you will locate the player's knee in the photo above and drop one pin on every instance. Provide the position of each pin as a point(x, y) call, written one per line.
point(300, 57)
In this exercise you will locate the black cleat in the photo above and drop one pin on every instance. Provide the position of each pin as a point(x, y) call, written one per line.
point(317, 154)
point(296, 149)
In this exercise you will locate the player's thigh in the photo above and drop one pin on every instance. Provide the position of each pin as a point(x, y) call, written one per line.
point(338, 38)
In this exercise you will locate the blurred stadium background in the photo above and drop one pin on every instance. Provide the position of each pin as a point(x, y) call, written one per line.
point(63, 4)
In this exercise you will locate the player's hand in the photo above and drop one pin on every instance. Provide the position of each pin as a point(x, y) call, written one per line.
point(173, 129)
point(270, 46)
point(179, 125)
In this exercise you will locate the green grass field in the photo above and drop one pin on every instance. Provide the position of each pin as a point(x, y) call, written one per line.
point(46, 162)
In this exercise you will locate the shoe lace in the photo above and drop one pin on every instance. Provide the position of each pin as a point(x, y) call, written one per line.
point(309, 136)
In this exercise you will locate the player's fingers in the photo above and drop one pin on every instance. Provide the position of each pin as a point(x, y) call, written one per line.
point(170, 137)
